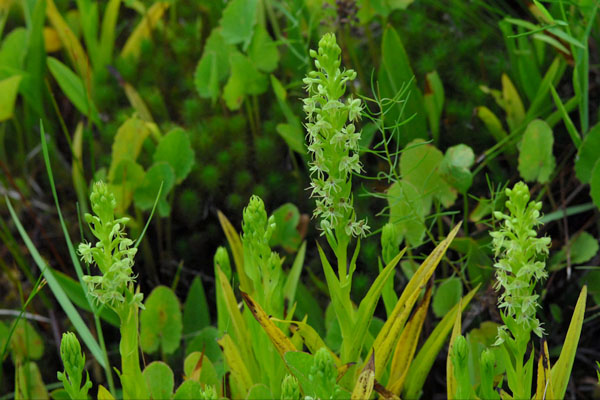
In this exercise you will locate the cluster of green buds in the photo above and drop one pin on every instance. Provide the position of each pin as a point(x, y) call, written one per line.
point(208, 393)
point(519, 261)
point(74, 361)
point(333, 139)
point(262, 265)
point(323, 377)
point(290, 388)
point(113, 253)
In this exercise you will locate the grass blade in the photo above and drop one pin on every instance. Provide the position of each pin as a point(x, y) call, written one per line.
point(59, 293)
point(561, 371)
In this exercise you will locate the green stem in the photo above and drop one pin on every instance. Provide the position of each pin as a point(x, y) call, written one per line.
point(466, 212)
point(108, 372)
point(134, 385)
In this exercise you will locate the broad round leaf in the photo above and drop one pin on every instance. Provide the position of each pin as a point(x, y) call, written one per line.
point(589, 153)
point(206, 341)
point(446, 296)
point(26, 342)
point(188, 390)
point(175, 148)
point(595, 184)
point(159, 379)
point(145, 194)
point(161, 321)
point(536, 161)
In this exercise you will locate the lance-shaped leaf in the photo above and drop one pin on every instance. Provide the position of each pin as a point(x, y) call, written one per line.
point(291, 282)
point(561, 371)
point(233, 238)
point(240, 375)
point(240, 330)
point(421, 365)
point(451, 383)
point(340, 305)
point(367, 308)
point(544, 382)
point(390, 333)
point(73, 47)
point(365, 382)
point(407, 344)
point(104, 394)
point(311, 339)
point(9, 88)
point(142, 31)
point(73, 87)
point(281, 342)
point(137, 102)
point(515, 112)
point(491, 122)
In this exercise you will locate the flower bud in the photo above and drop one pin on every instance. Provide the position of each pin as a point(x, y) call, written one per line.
point(72, 357)
point(290, 389)
point(209, 393)
point(221, 260)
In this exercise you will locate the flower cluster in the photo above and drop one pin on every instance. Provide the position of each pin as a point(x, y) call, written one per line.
point(519, 264)
point(262, 265)
point(333, 139)
point(74, 361)
point(112, 253)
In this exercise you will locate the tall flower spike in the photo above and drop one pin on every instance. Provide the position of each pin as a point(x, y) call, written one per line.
point(333, 140)
point(113, 252)
point(519, 260)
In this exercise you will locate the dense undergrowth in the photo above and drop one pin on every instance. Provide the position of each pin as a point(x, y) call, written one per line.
point(299, 199)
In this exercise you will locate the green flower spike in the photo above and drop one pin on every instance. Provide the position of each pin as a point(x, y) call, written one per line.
point(290, 388)
point(262, 265)
point(112, 253)
point(333, 140)
point(519, 266)
point(74, 361)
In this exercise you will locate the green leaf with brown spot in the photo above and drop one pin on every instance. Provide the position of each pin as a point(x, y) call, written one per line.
point(160, 322)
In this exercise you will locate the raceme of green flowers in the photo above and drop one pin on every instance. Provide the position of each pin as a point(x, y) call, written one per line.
point(519, 264)
point(333, 140)
point(113, 253)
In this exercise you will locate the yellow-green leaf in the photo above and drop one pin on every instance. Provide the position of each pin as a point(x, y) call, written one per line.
point(561, 371)
point(366, 380)
point(104, 394)
point(281, 342)
point(137, 102)
point(9, 88)
point(491, 122)
point(311, 339)
point(421, 365)
point(242, 380)
point(133, 44)
point(72, 45)
point(407, 344)
point(544, 382)
point(236, 248)
point(515, 112)
point(451, 383)
point(240, 329)
point(128, 143)
point(390, 333)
